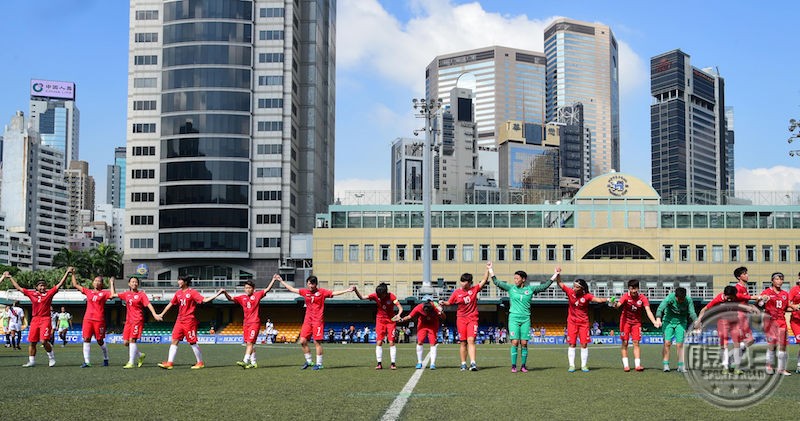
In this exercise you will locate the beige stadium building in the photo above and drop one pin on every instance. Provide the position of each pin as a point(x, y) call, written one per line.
point(614, 229)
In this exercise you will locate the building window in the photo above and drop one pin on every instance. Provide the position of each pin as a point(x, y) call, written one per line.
point(270, 35)
point(733, 253)
point(270, 126)
point(766, 252)
point(270, 12)
point(144, 127)
point(269, 149)
point(385, 253)
point(369, 252)
point(270, 103)
point(145, 82)
point(147, 15)
point(666, 250)
point(533, 251)
point(270, 80)
point(450, 252)
point(683, 252)
point(500, 252)
point(146, 37)
point(145, 60)
point(268, 172)
point(141, 219)
point(353, 253)
point(144, 105)
point(269, 57)
point(268, 195)
point(143, 174)
point(141, 243)
point(143, 150)
point(401, 252)
point(517, 252)
point(142, 197)
point(434, 252)
point(270, 218)
point(467, 253)
point(700, 253)
point(750, 253)
point(338, 252)
point(268, 242)
point(551, 252)
point(567, 252)
point(783, 253)
point(716, 253)
point(484, 252)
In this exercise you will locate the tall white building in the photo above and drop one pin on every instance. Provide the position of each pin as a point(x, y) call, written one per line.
point(34, 194)
point(455, 163)
point(81, 194)
point(114, 219)
point(230, 134)
point(583, 66)
point(55, 117)
point(407, 175)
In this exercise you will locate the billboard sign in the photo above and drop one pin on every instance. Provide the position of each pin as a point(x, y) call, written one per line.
point(52, 89)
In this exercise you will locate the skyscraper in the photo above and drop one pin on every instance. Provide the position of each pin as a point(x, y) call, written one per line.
point(687, 121)
point(455, 163)
point(507, 84)
point(583, 66)
point(230, 133)
point(54, 116)
point(80, 186)
point(407, 175)
point(115, 175)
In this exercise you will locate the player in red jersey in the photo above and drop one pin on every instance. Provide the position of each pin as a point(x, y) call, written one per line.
point(794, 322)
point(314, 321)
point(136, 301)
point(251, 325)
point(94, 320)
point(384, 321)
point(742, 296)
point(187, 300)
point(776, 304)
point(630, 323)
point(466, 298)
point(578, 319)
point(727, 325)
point(428, 322)
point(40, 328)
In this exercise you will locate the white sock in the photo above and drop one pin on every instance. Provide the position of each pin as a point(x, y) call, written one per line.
point(625, 363)
point(770, 356)
point(571, 356)
point(253, 357)
point(781, 360)
point(737, 357)
point(87, 347)
point(51, 355)
point(104, 347)
point(584, 356)
point(197, 354)
point(173, 351)
point(308, 357)
point(419, 354)
point(637, 362)
point(742, 346)
point(31, 359)
point(433, 354)
point(135, 348)
point(319, 359)
point(246, 358)
point(131, 352)
point(393, 353)
point(378, 353)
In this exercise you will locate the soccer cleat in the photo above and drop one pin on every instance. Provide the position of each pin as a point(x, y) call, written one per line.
point(393, 366)
point(626, 369)
point(433, 366)
point(681, 369)
point(140, 360)
point(86, 365)
point(317, 367)
point(798, 370)
point(128, 365)
point(166, 365)
point(738, 372)
point(241, 364)
point(29, 364)
point(253, 365)
point(571, 369)
point(513, 369)
point(52, 362)
point(473, 367)
point(379, 366)
point(785, 373)
point(585, 369)
point(639, 368)
point(418, 366)
point(105, 363)
point(463, 367)
point(769, 370)
point(305, 365)
point(198, 366)
point(523, 369)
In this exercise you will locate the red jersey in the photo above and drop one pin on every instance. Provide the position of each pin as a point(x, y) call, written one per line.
point(467, 300)
point(776, 305)
point(632, 308)
point(136, 303)
point(794, 298)
point(95, 303)
point(40, 302)
point(578, 305)
point(429, 321)
point(741, 293)
point(187, 300)
point(385, 306)
point(315, 303)
point(250, 305)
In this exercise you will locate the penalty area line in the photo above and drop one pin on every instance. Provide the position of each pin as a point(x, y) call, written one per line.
point(393, 413)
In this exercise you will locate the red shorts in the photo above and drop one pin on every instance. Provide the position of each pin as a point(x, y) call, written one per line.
point(187, 329)
point(776, 331)
point(132, 331)
point(628, 330)
point(40, 329)
point(384, 329)
point(426, 333)
point(728, 330)
point(745, 333)
point(94, 328)
point(795, 324)
point(577, 332)
point(250, 332)
point(315, 330)
point(467, 328)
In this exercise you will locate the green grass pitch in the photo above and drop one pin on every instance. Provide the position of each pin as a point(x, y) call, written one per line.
point(349, 388)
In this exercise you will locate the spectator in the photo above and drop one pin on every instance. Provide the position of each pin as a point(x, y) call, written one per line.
point(344, 335)
point(542, 331)
point(331, 335)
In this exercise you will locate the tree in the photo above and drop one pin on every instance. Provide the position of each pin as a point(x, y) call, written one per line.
point(76, 258)
point(106, 260)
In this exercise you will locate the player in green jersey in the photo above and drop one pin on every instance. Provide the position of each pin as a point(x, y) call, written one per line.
point(519, 320)
point(677, 311)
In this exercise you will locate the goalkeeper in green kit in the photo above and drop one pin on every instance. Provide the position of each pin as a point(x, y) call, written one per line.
point(519, 319)
point(678, 312)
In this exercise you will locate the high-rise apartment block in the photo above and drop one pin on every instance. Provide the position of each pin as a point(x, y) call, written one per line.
point(115, 177)
point(230, 134)
point(81, 195)
point(407, 171)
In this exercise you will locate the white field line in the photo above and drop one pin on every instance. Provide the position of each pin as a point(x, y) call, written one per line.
point(393, 413)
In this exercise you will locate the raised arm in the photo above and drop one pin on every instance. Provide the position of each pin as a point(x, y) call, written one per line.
point(13, 281)
point(70, 271)
point(599, 300)
point(399, 307)
point(269, 287)
point(75, 282)
point(285, 285)
point(111, 281)
point(228, 296)
point(213, 297)
point(556, 275)
point(358, 294)
point(343, 291)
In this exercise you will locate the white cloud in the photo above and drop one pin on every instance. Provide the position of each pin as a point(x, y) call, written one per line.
point(774, 179)
point(363, 191)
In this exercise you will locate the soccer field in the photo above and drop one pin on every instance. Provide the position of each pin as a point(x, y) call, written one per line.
point(349, 387)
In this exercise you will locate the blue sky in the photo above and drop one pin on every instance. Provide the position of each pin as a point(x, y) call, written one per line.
point(384, 46)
